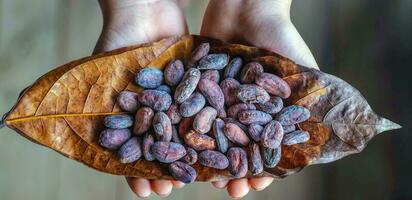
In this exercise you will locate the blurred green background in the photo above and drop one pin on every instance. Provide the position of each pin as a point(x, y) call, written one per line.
point(367, 43)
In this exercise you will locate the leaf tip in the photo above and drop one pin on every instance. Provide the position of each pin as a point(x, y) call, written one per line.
point(3, 120)
point(387, 125)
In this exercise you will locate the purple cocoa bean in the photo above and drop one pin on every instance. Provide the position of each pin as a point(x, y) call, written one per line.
point(185, 126)
point(130, 151)
point(149, 77)
point(164, 88)
point(128, 101)
point(175, 136)
point(173, 114)
point(235, 134)
point(250, 71)
point(232, 69)
point(238, 165)
point(250, 93)
point(114, 138)
point(118, 121)
point(221, 140)
point(214, 95)
point(162, 127)
point(190, 157)
point(204, 119)
point(144, 117)
point(292, 115)
point(272, 135)
point(148, 141)
point(213, 61)
point(229, 88)
point(199, 141)
point(235, 109)
point(187, 85)
point(234, 121)
point(255, 132)
point(213, 159)
point(182, 172)
point(273, 85)
point(174, 72)
point(192, 105)
point(156, 99)
point(254, 117)
point(212, 75)
point(255, 159)
point(288, 128)
point(296, 137)
point(168, 152)
point(201, 51)
point(273, 106)
point(270, 157)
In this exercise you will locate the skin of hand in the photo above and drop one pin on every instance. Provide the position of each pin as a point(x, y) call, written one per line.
point(264, 23)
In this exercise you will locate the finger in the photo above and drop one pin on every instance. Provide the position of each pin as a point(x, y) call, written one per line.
point(178, 184)
point(260, 183)
point(141, 187)
point(238, 188)
point(162, 187)
point(220, 184)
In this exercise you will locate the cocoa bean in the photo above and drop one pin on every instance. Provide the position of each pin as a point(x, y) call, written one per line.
point(212, 75)
point(148, 141)
point(192, 105)
point(238, 165)
point(292, 115)
point(213, 61)
point(118, 121)
point(250, 93)
point(187, 85)
point(235, 109)
point(175, 136)
point(173, 72)
point(214, 95)
point(164, 88)
point(114, 138)
point(234, 121)
point(213, 159)
point(185, 126)
point(190, 157)
point(255, 159)
point(149, 77)
point(229, 88)
point(173, 114)
point(271, 157)
point(168, 152)
point(130, 151)
point(156, 99)
point(201, 51)
point(128, 101)
point(199, 141)
point(273, 85)
point(221, 140)
point(296, 137)
point(235, 134)
point(272, 135)
point(182, 172)
point(254, 117)
point(232, 69)
point(250, 71)
point(288, 128)
point(273, 106)
point(255, 132)
point(204, 119)
point(144, 117)
point(162, 127)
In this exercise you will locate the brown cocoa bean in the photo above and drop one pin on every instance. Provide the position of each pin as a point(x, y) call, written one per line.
point(113, 138)
point(192, 105)
point(255, 132)
point(232, 69)
point(204, 119)
point(213, 61)
point(254, 117)
point(238, 165)
point(273, 85)
point(173, 72)
point(272, 135)
point(229, 88)
point(128, 101)
point(213, 159)
point(155, 99)
point(214, 95)
point(235, 109)
point(235, 134)
point(199, 141)
point(218, 133)
point(295, 137)
point(201, 51)
point(162, 127)
point(185, 126)
point(250, 93)
point(118, 121)
point(168, 152)
point(144, 117)
point(182, 172)
point(250, 71)
point(273, 106)
point(187, 85)
point(173, 114)
point(212, 75)
point(293, 114)
point(255, 159)
point(130, 151)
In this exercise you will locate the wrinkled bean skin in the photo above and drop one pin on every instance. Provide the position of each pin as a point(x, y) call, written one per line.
point(128, 101)
point(162, 127)
point(114, 138)
point(144, 117)
point(175, 136)
point(187, 85)
point(156, 99)
point(270, 157)
point(168, 152)
point(212, 75)
point(250, 71)
point(235, 134)
point(213, 159)
point(238, 165)
point(130, 151)
point(192, 105)
point(201, 51)
point(190, 157)
point(273, 106)
point(182, 172)
point(213, 61)
point(214, 95)
point(296, 137)
point(118, 121)
point(149, 77)
point(250, 93)
point(273, 85)
point(185, 126)
point(255, 159)
point(221, 140)
point(232, 69)
point(293, 114)
point(204, 120)
point(234, 110)
point(254, 117)
point(173, 114)
point(173, 72)
point(229, 88)
point(288, 128)
point(148, 141)
point(255, 132)
point(272, 135)
point(234, 121)
point(164, 88)
point(199, 141)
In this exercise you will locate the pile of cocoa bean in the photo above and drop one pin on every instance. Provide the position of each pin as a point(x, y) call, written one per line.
point(213, 110)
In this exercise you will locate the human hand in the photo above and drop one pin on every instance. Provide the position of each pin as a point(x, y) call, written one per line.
point(132, 22)
point(265, 24)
